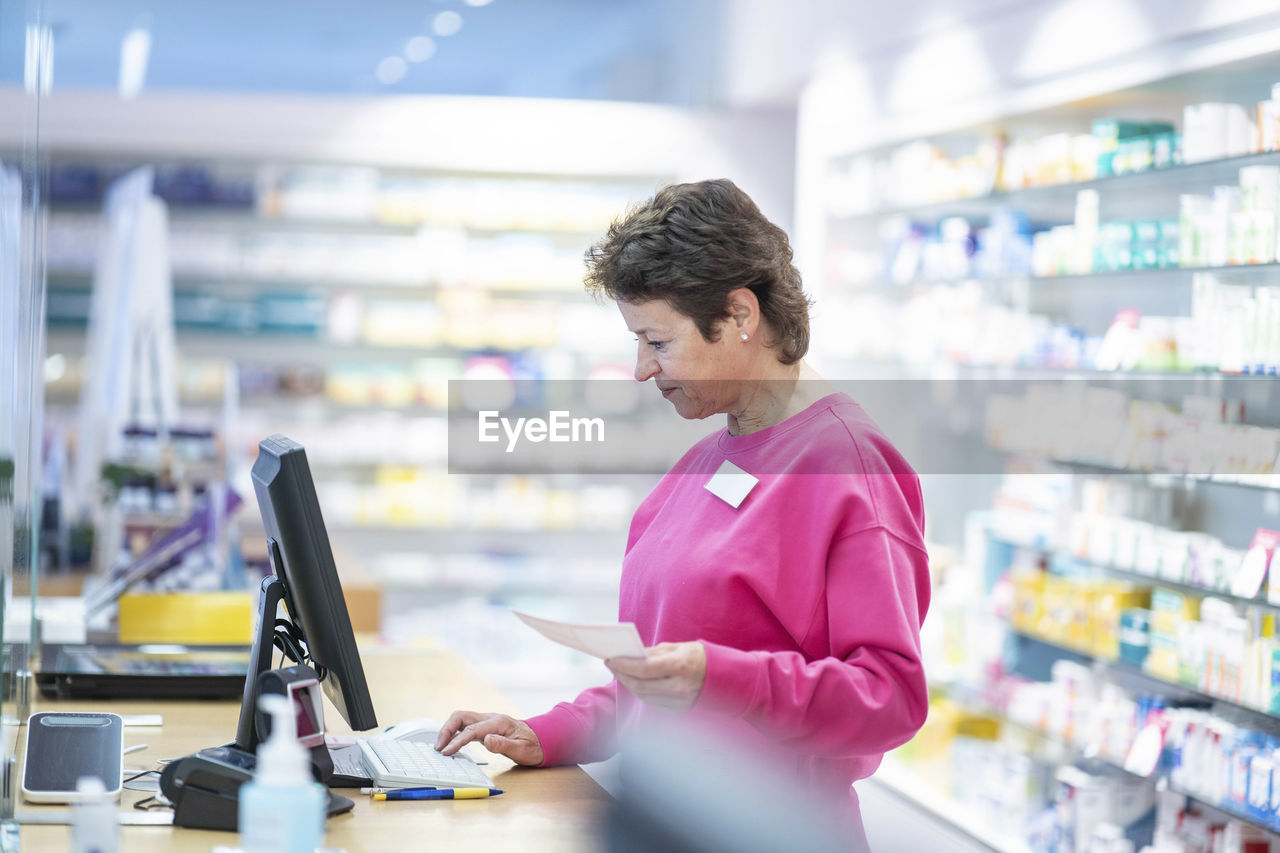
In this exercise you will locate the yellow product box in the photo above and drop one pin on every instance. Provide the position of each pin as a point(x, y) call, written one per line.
point(1058, 610)
point(1112, 598)
point(1080, 604)
point(191, 618)
point(1028, 600)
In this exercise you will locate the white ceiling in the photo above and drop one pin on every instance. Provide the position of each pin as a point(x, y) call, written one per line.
point(662, 51)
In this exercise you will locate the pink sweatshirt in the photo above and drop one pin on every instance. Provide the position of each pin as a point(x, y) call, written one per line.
point(808, 598)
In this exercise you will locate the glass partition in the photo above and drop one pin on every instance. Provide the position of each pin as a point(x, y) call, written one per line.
point(26, 58)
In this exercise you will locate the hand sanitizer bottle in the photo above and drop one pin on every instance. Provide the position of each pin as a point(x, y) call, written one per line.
point(282, 810)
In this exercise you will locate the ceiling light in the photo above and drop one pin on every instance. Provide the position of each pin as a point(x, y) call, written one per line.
point(419, 49)
point(479, 2)
point(446, 23)
point(135, 49)
point(391, 70)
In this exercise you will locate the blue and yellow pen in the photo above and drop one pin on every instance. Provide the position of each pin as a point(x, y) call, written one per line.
point(439, 794)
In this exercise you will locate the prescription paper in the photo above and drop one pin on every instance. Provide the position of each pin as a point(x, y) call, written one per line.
point(602, 641)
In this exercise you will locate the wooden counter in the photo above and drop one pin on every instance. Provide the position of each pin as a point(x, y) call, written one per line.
point(542, 810)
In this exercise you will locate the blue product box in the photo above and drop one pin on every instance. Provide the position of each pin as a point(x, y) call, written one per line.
point(293, 313)
point(1146, 244)
point(1246, 749)
point(1135, 636)
point(1261, 768)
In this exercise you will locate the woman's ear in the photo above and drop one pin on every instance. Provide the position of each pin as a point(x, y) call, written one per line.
point(743, 311)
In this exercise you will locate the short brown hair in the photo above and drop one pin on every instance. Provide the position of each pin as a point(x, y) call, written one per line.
point(690, 246)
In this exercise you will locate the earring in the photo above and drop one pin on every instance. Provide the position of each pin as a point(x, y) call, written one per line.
point(744, 336)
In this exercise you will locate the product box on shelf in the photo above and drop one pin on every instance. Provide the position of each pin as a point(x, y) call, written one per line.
point(1112, 600)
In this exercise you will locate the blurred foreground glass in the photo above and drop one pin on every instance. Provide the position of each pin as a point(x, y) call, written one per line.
point(687, 788)
point(26, 43)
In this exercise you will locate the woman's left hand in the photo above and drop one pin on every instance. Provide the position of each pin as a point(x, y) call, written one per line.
point(670, 676)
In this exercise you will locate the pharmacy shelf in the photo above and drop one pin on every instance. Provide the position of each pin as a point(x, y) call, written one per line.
point(1204, 174)
point(1155, 276)
point(908, 786)
point(1139, 578)
point(1235, 711)
point(77, 283)
point(437, 540)
point(251, 220)
point(964, 695)
point(962, 371)
point(281, 348)
point(496, 589)
point(1190, 589)
point(1263, 484)
point(301, 407)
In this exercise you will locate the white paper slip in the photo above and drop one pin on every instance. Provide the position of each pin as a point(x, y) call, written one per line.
point(602, 641)
point(731, 484)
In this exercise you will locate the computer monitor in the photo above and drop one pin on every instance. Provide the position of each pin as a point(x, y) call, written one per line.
point(303, 563)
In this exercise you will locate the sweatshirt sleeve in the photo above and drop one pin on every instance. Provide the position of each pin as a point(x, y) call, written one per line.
point(867, 696)
point(581, 731)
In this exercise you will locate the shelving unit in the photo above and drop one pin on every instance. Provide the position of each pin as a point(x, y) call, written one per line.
point(1260, 720)
point(1150, 580)
point(426, 177)
point(964, 695)
point(865, 306)
point(1177, 177)
point(1152, 276)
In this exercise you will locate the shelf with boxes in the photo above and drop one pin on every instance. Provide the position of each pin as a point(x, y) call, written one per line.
point(1264, 480)
point(357, 257)
point(304, 349)
point(1008, 250)
point(1093, 726)
point(1023, 734)
point(1154, 276)
point(1129, 674)
point(1162, 241)
point(1194, 427)
point(1162, 178)
point(1126, 589)
point(348, 226)
point(312, 193)
point(448, 325)
point(1111, 322)
point(348, 276)
point(1021, 786)
point(1019, 157)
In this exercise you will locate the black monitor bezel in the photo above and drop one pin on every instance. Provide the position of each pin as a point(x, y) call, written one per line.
point(313, 597)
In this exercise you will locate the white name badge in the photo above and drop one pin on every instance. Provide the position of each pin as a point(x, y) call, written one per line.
point(731, 484)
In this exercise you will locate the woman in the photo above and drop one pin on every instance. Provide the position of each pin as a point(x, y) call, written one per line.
point(791, 619)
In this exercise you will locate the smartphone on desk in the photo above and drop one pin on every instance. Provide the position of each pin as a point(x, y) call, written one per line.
point(63, 747)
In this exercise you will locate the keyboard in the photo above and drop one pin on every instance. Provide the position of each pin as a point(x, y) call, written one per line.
point(405, 763)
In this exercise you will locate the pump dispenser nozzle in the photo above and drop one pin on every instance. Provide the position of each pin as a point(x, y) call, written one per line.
point(282, 760)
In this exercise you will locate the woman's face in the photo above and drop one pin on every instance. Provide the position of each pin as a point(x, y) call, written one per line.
point(699, 377)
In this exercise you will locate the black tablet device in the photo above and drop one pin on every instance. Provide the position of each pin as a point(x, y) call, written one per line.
point(153, 671)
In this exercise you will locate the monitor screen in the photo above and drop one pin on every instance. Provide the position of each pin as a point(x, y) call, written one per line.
point(313, 594)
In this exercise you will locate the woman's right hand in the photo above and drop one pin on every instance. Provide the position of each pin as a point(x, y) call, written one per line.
point(496, 732)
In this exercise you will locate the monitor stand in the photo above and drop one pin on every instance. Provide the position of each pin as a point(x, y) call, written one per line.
point(259, 657)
